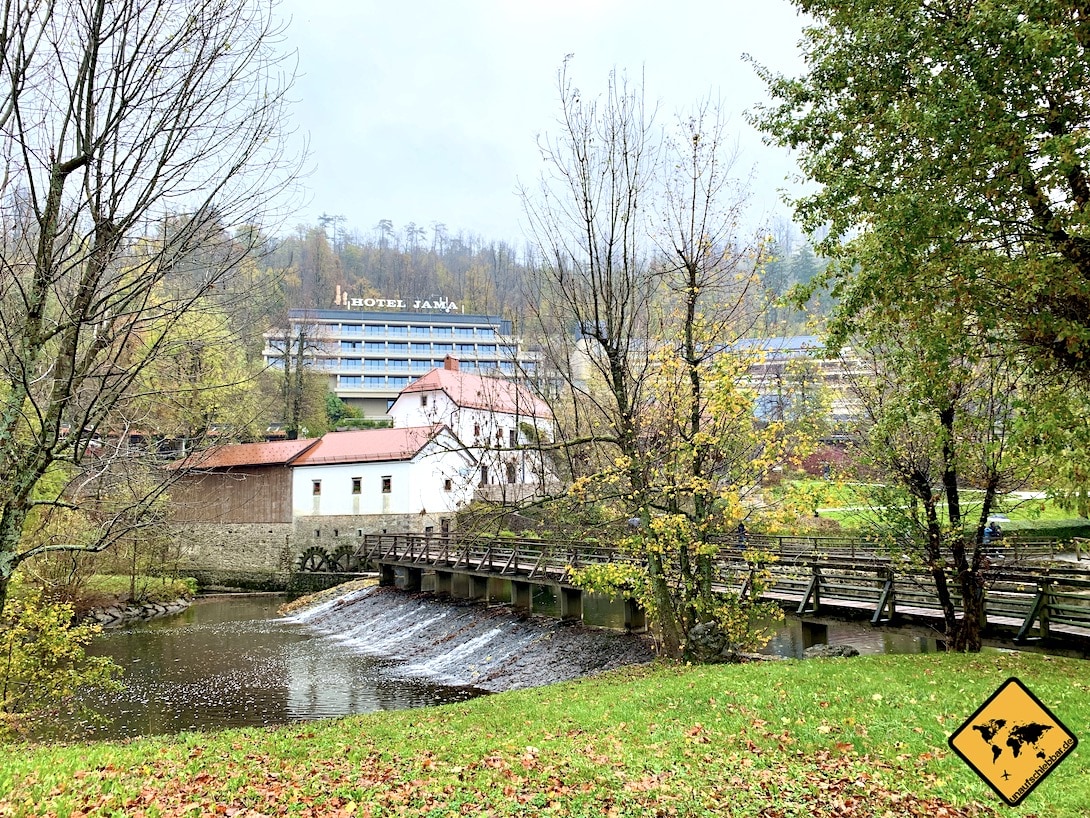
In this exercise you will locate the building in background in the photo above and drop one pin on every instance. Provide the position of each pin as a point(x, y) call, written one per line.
point(374, 348)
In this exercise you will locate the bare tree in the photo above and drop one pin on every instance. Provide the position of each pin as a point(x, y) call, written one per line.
point(643, 286)
point(136, 138)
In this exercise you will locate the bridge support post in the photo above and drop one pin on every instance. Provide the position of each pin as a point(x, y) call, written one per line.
point(522, 595)
point(478, 587)
point(635, 617)
point(386, 575)
point(571, 603)
point(444, 582)
point(408, 579)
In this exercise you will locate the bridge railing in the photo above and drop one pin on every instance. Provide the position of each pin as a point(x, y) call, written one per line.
point(814, 572)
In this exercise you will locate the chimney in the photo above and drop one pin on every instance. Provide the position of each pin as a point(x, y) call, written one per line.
point(450, 363)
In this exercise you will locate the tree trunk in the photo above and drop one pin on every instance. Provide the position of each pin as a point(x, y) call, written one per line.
point(5, 580)
point(666, 617)
point(966, 636)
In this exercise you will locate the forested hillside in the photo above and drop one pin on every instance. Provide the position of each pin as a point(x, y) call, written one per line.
point(408, 262)
point(480, 275)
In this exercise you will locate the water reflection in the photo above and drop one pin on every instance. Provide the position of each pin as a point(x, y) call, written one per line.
point(794, 635)
point(229, 662)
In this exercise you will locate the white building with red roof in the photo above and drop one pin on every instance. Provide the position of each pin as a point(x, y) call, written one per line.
point(457, 436)
point(397, 480)
point(501, 423)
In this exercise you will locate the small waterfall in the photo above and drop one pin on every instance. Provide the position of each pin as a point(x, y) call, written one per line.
point(470, 644)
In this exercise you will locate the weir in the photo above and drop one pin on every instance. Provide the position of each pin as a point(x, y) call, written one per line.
point(489, 648)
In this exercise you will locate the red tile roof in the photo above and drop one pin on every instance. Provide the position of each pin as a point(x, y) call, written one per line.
point(480, 392)
point(370, 445)
point(277, 453)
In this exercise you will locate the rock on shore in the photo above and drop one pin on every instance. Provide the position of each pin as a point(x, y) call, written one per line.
point(115, 615)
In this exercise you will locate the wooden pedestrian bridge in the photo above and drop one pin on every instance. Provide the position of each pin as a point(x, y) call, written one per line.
point(1034, 591)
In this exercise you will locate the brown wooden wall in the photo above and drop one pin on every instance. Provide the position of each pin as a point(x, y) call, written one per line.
point(250, 494)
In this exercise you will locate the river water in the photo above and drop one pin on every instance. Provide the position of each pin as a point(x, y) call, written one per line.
point(232, 661)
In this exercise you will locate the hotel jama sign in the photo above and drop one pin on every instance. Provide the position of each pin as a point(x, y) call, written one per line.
point(440, 304)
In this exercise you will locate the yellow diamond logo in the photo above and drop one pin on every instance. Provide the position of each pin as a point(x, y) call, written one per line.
point(1013, 741)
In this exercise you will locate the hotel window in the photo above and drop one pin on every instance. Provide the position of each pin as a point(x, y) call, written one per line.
point(443, 347)
point(357, 485)
point(463, 332)
point(397, 382)
point(397, 346)
point(397, 332)
point(487, 349)
point(351, 346)
point(352, 363)
point(470, 348)
point(349, 381)
point(351, 329)
point(387, 484)
point(374, 382)
point(441, 332)
point(375, 346)
point(316, 488)
point(425, 348)
point(421, 331)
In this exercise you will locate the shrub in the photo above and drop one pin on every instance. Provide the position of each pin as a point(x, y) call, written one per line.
point(43, 663)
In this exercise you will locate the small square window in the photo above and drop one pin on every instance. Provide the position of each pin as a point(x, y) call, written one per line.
point(448, 484)
point(316, 488)
point(387, 484)
point(357, 485)
point(423, 401)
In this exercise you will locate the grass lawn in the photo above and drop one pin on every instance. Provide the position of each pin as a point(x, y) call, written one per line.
point(845, 503)
point(844, 738)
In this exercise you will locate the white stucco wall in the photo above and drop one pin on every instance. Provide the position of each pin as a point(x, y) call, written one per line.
point(415, 486)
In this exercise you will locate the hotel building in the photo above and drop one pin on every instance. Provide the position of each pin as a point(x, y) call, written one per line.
point(373, 348)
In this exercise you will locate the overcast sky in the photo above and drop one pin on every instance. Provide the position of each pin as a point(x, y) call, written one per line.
point(428, 110)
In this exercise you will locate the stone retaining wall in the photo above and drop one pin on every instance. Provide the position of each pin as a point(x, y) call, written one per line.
point(265, 548)
point(331, 531)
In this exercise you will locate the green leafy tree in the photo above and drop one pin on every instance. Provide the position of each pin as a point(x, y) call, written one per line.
point(938, 421)
point(949, 143)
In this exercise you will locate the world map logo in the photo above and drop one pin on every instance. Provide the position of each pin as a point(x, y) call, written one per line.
point(1013, 741)
point(1015, 738)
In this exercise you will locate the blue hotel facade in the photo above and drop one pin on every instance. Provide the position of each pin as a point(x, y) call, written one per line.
point(370, 355)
